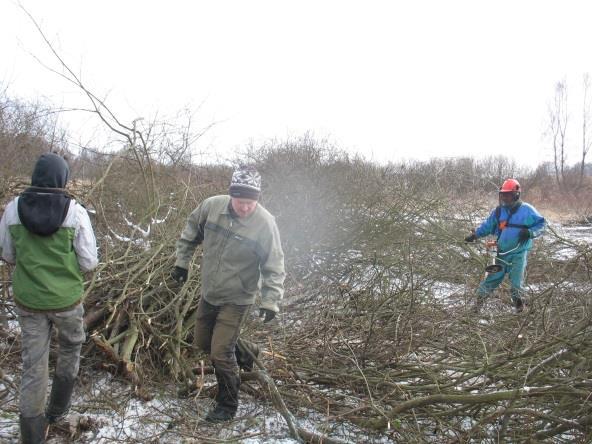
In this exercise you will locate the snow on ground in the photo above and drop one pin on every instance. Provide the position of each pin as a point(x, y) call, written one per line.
point(446, 290)
point(579, 234)
point(118, 416)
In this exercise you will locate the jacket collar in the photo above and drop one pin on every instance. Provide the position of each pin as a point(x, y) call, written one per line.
point(242, 220)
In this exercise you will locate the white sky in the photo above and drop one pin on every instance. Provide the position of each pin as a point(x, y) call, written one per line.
point(388, 79)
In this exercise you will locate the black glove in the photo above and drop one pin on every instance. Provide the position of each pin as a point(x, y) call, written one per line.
point(471, 238)
point(179, 274)
point(269, 314)
point(524, 235)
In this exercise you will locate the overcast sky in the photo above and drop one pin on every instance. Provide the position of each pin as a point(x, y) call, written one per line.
point(391, 80)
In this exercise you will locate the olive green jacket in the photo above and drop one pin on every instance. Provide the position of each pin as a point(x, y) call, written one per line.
point(242, 257)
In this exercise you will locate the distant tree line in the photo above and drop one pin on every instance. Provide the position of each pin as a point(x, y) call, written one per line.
point(29, 129)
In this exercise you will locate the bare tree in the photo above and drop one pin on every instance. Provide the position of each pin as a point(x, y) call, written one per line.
point(557, 128)
point(586, 143)
point(150, 145)
point(27, 129)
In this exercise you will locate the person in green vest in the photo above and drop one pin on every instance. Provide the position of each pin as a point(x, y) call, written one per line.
point(242, 259)
point(49, 238)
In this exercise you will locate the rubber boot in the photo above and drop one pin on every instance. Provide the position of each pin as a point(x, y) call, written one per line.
point(243, 357)
point(518, 305)
point(60, 399)
point(226, 398)
point(478, 305)
point(33, 430)
point(220, 414)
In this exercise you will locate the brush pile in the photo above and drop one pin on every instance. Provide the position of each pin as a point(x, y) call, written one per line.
point(377, 327)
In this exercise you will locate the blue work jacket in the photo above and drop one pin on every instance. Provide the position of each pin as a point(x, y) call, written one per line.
point(507, 226)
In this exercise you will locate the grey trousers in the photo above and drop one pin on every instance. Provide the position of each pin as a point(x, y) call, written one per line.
point(36, 333)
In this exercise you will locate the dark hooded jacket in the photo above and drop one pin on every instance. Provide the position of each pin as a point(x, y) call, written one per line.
point(49, 238)
point(43, 207)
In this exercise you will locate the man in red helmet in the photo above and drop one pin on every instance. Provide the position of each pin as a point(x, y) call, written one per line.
point(515, 224)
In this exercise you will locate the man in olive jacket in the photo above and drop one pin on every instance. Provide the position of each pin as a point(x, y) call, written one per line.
point(49, 238)
point(242, 258)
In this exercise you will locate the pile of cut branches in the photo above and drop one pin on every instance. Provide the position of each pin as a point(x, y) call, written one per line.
point(376, 328)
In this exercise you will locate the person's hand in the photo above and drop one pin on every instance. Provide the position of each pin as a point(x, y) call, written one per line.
point(179, 274)
point(471, 238)
point(524, 235)
point(267, 314)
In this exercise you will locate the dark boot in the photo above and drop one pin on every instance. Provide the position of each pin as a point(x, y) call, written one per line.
point(226, 398)
point(60, 398)
point(220, 414)
point(33, 430)
point(244, 359)
point(478, 305)
point(518, 305)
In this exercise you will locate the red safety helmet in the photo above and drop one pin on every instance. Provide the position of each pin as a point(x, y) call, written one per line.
point(511, 186)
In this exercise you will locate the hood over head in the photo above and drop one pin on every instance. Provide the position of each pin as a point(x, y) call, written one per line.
point(51, 171)
point(43, 207)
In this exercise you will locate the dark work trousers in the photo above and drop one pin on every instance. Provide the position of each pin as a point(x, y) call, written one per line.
point(216, 333)
point(36, 332)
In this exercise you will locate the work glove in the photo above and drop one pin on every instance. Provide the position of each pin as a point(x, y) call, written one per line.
point(524, 235)
point(471, 238)
point(179, 274)
point(268, 314)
